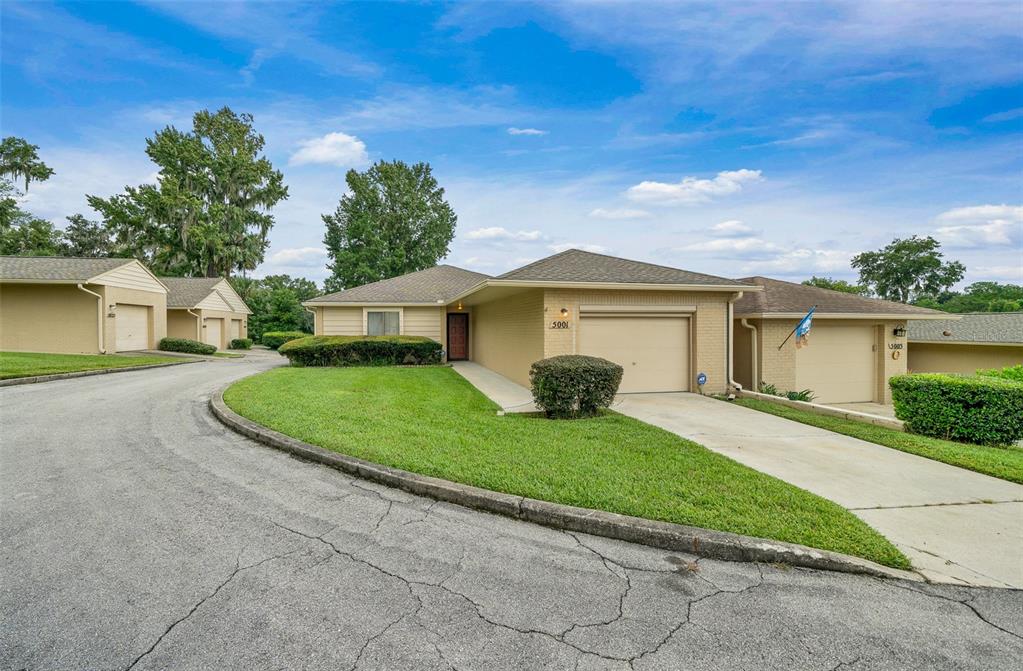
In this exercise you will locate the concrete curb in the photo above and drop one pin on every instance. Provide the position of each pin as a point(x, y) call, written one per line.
point(818, 409)
point(664, 535)
point(15, 381)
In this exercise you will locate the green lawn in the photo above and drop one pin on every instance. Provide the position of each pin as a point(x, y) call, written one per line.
point(28, 364)
point(1001, 462)
point(431, 421)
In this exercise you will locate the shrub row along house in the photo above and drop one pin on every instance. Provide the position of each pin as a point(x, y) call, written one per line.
point(90, 306)
point(671, 329)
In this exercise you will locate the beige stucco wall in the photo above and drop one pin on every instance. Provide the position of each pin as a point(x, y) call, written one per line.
point(778, 366)
point(48, 318)
point(708, 347)
point(155, 302)
point(949, 358)
point(507, 335)
point(181, 324)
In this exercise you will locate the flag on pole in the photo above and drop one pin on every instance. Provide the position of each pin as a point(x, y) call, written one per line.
point(803, 327)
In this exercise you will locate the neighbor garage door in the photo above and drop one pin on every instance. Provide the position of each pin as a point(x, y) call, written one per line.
point(132, 324)
point(213, 329)
point(839, 364)
point(653, 350)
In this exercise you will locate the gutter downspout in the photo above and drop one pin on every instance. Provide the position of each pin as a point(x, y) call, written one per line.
point(99, 318)
point(728, 350)
point(198, 324)
point(313, 313)
point(754, 378)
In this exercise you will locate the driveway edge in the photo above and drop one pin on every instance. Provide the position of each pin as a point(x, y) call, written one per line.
point(664, 535)
point(15, 381)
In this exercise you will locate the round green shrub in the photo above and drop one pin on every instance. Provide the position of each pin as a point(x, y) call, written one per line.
point(981, 410)
point(274, 339)
point(185, 345)
point(362, 351)
point(574, 385)
point(240, 343)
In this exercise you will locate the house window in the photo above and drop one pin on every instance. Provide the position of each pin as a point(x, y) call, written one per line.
point(383, 323)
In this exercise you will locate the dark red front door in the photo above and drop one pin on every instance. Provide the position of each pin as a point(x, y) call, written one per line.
point(458, 337)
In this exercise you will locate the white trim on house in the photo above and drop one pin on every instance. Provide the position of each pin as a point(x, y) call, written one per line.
point(983, 343)
point(886, 316)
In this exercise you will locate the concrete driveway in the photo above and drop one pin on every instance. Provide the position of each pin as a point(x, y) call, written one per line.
point(137, 533)
point(955, 525)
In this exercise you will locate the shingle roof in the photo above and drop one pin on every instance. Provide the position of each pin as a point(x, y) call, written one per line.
point(980, 327)
point(780, 297)
point(56, 268)
point(575, 265)
point(187, 292)
point(440, 283)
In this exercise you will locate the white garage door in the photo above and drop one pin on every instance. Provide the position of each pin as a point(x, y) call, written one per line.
point(236, 329)
point(654, 351)
point(132, 325)
point(839, 364)
point(212, 331)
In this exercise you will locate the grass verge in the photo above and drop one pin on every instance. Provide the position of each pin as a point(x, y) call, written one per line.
point(229, 355)
point(30, 364)
point(432, 421)
point(1000, 462)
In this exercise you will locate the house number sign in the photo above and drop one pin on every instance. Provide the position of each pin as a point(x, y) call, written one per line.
point(559, 324)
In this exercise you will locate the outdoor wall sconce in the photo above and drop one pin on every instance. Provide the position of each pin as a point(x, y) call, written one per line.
point(564, 313)
point(899, 332)
point(459, 307)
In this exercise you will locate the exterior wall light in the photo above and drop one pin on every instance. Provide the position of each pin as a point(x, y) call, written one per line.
point(459, 306)
point(899, 332)
point(564, 313)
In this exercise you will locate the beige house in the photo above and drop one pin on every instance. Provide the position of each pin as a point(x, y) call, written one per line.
point(79, 305)
point(964, 343)
point(854, 345)
point(207, 309)
point(665, 326)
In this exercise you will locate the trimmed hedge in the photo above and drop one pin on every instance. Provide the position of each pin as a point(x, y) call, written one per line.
point(362, 351)
point(982, 410)
point(185, 345)
point(274, 339)
point(1008, 373)
point(240, 343)
point(574, 385)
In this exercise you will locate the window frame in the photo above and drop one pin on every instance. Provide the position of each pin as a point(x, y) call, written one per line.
point(367, 310)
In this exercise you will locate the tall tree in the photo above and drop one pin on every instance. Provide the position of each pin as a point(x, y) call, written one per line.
point(276, 303)
point(977, 297)
point(393, 220)
point(837, 285)
point(83, 237)
point(907, 269)
point(208, 215)
point(20, 160)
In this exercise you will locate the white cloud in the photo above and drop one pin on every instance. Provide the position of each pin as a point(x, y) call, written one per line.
point(1008, 115)
point(1011, 274)
point(981, 226)
point(619, 213)
point(305, 257)
point(565, 246)
point(340, 149)
point(692, 190)
point(735, 248)
point(733, 228)
point(802, 262)
point(526, 131)
point(500, 233)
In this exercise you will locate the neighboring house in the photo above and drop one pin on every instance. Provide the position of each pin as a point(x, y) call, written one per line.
point(966, 342)
point(79, 305)
point(665, 326)
point(207, 309)
point(854, 345)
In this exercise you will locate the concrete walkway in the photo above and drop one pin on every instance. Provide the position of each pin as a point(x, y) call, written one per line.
point(868, 408)
point(955, 525)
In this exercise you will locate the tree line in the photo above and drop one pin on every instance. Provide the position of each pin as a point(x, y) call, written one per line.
point(208, 214)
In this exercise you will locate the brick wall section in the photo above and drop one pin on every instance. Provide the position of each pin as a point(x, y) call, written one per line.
point(507, 334)
point(777, 367)
point(707, 327)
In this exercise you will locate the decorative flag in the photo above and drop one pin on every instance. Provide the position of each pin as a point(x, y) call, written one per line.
point(803, 327)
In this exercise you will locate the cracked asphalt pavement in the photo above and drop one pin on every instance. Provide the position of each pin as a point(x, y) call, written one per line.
point(138, 533)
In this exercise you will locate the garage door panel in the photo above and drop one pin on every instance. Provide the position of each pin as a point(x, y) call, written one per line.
point(839, 364)
point(654, 351)
point(212, 332)
point(132, 326)
point(236, 329)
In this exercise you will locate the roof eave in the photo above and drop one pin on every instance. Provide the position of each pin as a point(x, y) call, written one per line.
point(891, 316)
point(380, 304)
point(640, 286)
point(983, 343)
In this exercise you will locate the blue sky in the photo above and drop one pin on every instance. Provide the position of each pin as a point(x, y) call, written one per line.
point(731, 138)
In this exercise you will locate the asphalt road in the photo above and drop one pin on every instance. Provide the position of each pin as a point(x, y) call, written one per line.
point(138, 533)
